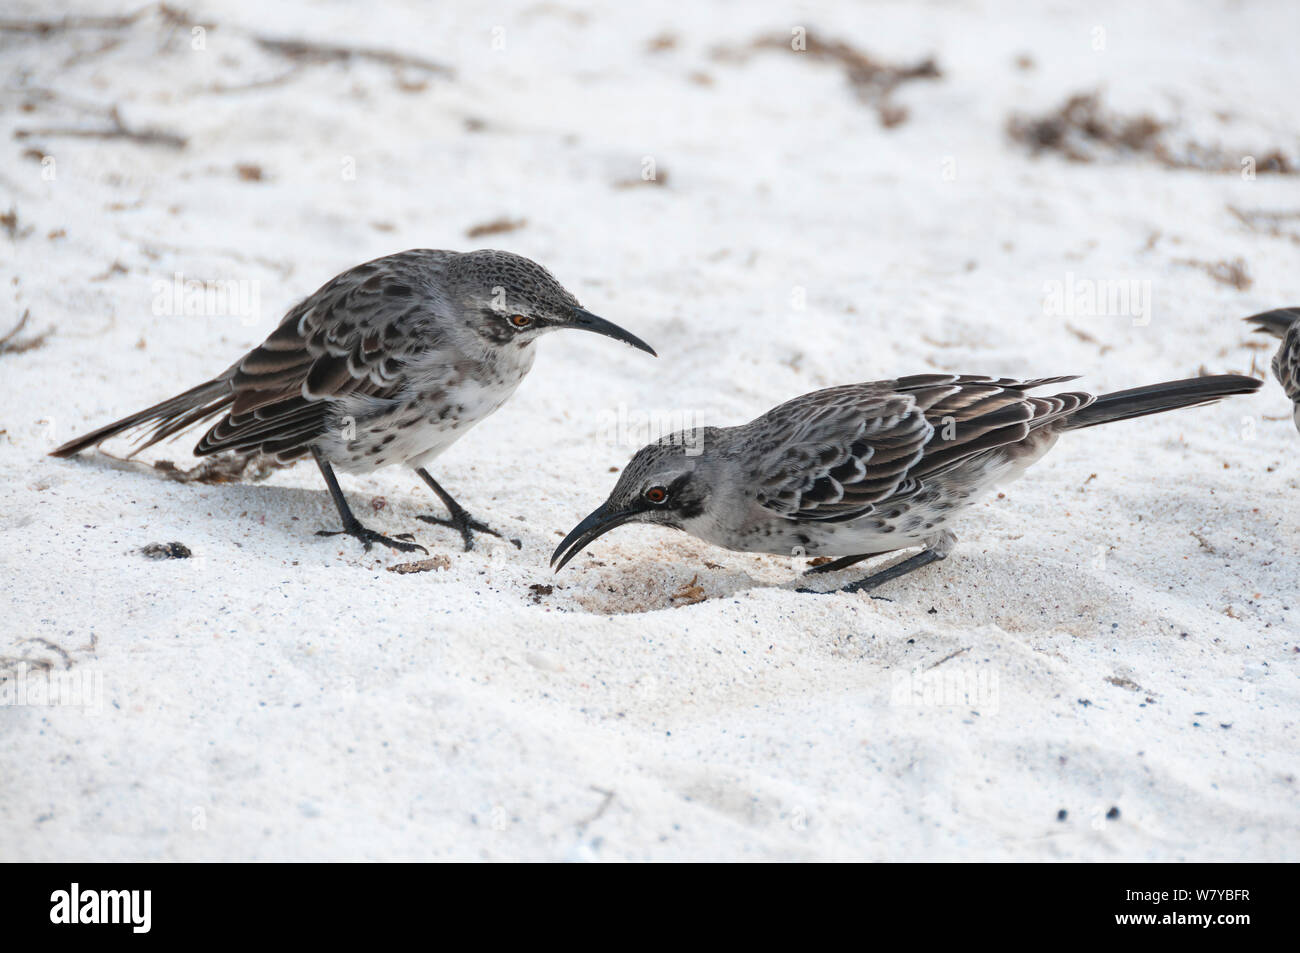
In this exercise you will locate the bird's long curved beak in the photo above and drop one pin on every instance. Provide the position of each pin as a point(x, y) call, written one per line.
point(586, 321)
point(600, 522)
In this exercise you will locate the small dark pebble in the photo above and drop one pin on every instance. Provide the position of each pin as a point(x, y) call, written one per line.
point(1062, 814)
point(166, 551)
point(1112, 814)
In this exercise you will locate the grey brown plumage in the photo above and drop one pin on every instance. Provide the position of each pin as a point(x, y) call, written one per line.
point(169, 416)
point(388, 363)
point(865, 469)
point(352, 336)
point(834, 453)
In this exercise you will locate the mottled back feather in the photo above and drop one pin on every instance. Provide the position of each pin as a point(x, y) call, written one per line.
point(353, 336)
point(836, 453)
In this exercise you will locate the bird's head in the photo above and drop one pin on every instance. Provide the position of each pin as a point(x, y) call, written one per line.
point(665, 483)
point(510, 299)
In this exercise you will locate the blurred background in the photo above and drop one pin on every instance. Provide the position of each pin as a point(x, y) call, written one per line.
point(827, 192)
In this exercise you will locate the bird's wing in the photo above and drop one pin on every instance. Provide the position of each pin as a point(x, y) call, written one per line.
point(352, 337)
point(835, 454)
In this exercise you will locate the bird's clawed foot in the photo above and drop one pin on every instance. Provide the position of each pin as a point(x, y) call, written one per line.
point(459, 519)
point(467, 526)
point(369, 537)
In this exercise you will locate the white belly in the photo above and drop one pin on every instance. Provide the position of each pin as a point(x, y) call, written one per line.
point(368, 435)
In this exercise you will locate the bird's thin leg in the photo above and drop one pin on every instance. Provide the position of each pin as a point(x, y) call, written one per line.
point(937, 547)
point(351, 525)
point(844, 562)
point(460, 520)
point(923, 558)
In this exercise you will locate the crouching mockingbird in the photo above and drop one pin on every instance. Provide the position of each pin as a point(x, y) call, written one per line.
point(390, 362)
point(864, 469)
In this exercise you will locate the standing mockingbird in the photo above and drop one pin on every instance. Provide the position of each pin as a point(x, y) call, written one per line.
point(864, 469)
point(1284, 323)
point(388, 363)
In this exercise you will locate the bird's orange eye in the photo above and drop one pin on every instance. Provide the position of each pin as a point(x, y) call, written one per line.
point(520, 320)
point(656, 494)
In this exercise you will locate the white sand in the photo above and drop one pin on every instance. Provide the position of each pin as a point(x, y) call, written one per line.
point(1126, 616)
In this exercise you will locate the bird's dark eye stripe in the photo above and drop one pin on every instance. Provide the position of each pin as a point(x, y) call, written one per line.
point(676, 485)
point(670, 493)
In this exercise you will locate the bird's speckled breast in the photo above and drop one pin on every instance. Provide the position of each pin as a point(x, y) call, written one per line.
point(445, 397)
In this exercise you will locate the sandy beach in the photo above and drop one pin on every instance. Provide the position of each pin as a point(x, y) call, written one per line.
point(1106, 667)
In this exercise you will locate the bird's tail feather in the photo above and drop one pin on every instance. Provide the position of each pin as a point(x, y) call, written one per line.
point(1157, 398)
point(1275, 322)
point(171, 416)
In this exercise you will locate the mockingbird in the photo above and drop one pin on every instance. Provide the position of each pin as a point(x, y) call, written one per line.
point(864, 469)
point(390, 362)
point(1284, 323)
